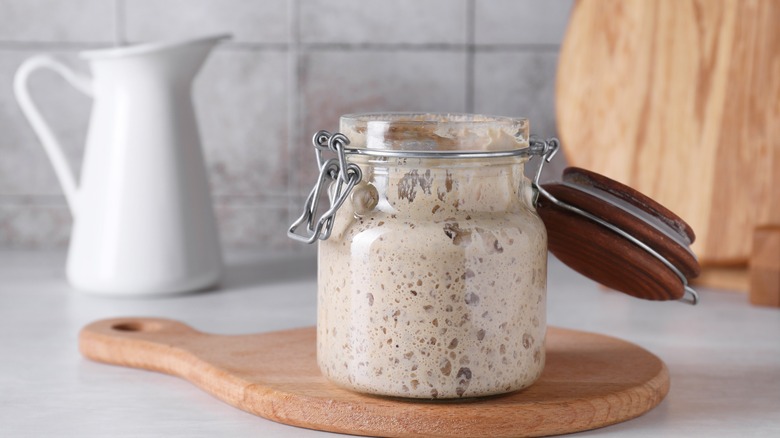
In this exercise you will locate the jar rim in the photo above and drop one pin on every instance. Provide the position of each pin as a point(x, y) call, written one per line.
point(419, 118)
point(431, 134)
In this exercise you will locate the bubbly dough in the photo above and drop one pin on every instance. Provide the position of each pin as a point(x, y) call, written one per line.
point(438, 291)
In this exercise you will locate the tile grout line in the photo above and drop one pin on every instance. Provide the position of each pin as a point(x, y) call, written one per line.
point(293, 101)
point(431, 47)
point(119, 23)
point(281, 47)
point(50, 45)
point(295, 119)
point(260, 200)
point(470, 54)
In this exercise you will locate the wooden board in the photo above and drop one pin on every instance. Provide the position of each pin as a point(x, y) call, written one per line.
point(727, 278)
point(589, 381)
point(680, 99)
point(765, 267)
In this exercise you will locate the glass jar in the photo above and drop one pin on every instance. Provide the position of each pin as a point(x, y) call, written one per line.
point(432, 270)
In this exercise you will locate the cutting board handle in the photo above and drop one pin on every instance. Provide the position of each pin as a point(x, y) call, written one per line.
point(150, 343)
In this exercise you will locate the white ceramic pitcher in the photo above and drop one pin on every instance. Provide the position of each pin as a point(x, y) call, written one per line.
point(143, 222)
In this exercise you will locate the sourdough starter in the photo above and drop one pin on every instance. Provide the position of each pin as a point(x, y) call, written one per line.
point(439, 290)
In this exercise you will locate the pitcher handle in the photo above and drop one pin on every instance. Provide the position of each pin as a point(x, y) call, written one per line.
point(50, 143)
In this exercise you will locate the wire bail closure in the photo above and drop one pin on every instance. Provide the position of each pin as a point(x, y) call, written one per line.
point(337, 177)
point(340, 183)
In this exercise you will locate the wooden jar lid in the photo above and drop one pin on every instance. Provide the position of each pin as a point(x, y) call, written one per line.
point(604, 255)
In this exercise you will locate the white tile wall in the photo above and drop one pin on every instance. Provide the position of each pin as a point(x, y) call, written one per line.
point(57, 21)
point(250, 21)
point(241, 104)
point(34, 222)
point(292, 68)
point(517, 83)
point(383, 22)
point(518, 22)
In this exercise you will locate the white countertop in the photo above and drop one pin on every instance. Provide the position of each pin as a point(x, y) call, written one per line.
point(723, 355)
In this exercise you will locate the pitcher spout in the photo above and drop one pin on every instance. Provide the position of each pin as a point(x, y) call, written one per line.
point(181, 57)
point(190, 55)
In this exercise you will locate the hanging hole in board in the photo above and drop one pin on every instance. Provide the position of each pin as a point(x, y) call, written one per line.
point(135, 326)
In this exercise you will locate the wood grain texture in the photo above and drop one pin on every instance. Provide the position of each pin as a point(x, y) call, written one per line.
point(589, 381)
point(765, 267)
point(680, 99)
point(729, 278)
point(604, 255)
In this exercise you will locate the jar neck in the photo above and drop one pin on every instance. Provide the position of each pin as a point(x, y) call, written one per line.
point(421, 187)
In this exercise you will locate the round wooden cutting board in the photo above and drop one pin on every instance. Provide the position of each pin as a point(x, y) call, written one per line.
point(590, 381)
point(679, 99)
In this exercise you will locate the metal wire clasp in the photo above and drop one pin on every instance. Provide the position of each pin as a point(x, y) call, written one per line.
point(337, 177)
point(547, 150)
